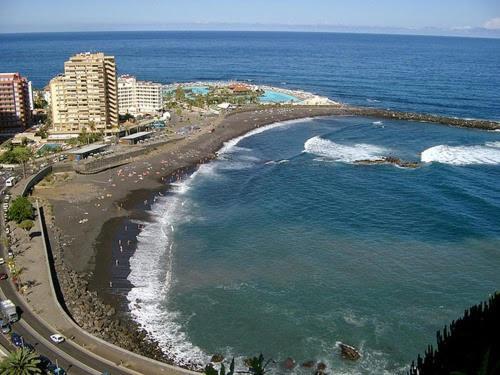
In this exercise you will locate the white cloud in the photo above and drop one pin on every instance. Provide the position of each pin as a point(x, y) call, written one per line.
point(493, 24)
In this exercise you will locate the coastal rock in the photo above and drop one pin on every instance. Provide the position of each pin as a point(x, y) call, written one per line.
point(389, 160)
point(349, 352)
point(101, 320)
point(217, 358)
point(320, 369)
point(308, 364)
point(289, 363)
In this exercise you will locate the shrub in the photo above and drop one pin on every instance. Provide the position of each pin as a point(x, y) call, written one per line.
point(26, 225)
point(21, 209)
point(470, 345)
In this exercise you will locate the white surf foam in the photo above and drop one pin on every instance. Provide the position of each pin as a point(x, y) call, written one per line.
point(151, 277)
point(229, 145)
point(489, 153)
point(343, 153)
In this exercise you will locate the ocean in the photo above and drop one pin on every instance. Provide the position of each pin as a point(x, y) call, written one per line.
point(451, 76)
point(284, 244)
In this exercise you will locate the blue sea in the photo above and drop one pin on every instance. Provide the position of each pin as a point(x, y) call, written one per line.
point(284, 244)
point(452, 76)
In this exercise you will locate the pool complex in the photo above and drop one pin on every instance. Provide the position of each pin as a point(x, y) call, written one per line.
point(269, 96)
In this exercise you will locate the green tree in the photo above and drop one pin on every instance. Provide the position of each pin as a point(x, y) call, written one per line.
point(210, 370)
point(40, 102)
point(21, 209)
point(17, 155)
point(180, 95)
point(256, 365)
point(22, 155)
point(20, 362)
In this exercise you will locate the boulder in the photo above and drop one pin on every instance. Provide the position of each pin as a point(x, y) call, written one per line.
point(320, 369)
point(217, 358)
point(349, 352)
point(308, 364)
point(289, 363)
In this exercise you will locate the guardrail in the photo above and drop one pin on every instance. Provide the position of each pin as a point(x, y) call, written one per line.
point(35, 179)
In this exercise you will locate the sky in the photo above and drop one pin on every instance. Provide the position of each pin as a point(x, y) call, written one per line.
point(411, 16)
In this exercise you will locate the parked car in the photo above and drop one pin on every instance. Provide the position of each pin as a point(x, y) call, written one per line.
point(11, 253)
point(57, 338)
point(16, 339)
point(5, 328)
point(44, 362)
point(3, 276)
point(53, 369)
point(2, 261)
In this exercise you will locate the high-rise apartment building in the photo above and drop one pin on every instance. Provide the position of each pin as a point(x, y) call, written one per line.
point(15, 103)
point(85, 96)
point(139, 97)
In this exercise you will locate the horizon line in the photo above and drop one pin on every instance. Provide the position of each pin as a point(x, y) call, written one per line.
point(450, 33)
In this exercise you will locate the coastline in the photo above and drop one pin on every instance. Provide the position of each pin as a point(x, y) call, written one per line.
point(96, 216)
point(90, 213)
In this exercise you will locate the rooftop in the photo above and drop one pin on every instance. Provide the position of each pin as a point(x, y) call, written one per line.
point(136, 135)
point(87, 149)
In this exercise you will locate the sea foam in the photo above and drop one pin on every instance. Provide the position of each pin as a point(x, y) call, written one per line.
point(343, 153)
point(151, 276)
point(489, 153)
point(229, 145)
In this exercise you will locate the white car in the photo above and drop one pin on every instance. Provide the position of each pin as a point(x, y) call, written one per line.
point(57, 338)
point(2, 261)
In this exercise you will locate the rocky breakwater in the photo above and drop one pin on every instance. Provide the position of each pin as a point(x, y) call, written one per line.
point(89, 311)
point(422, 117)
point(101, 320)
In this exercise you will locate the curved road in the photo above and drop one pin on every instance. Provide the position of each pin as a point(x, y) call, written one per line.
point(73, 358)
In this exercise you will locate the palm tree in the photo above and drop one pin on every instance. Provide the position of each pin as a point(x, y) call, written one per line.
point(20, 362)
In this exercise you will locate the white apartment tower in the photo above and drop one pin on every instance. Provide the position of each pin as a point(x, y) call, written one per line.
point(138, 97)
point(85, 96)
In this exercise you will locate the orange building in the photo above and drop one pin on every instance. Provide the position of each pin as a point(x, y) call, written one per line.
point(239, 88)
point(15, 103)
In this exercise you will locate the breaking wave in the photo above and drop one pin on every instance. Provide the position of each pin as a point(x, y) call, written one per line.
point(489, 153)
point(343, 153)
point(229, 146)
point(151, 275)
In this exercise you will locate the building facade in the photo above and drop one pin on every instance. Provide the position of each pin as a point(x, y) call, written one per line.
point(15, 103)
point(85, 96)
point(139, 97)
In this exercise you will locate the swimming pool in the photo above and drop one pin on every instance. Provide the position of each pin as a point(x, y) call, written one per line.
point(198, 90)
point(277, 97)
point(49, 147)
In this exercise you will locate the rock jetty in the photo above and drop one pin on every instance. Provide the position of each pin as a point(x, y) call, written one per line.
point(421, 117)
